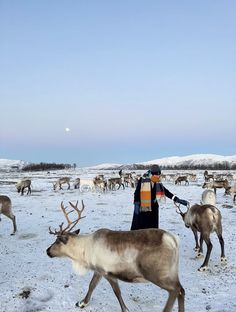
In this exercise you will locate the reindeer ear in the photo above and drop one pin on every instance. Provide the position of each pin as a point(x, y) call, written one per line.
point(76, 231)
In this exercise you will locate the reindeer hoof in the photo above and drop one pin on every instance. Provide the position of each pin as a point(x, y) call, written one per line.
point(196, 249)
point(199, 255)
point(203, 269)
point(223, 260)
point(81, 304)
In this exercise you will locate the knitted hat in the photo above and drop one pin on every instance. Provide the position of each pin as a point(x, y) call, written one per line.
point(155, 169)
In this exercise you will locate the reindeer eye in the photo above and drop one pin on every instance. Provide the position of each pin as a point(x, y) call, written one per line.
point(62, 239)
point(58, 241)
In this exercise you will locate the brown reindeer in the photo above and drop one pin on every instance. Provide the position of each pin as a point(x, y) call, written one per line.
point(182, 179)
point(208, 177)
point(149, 255)
point(204, 219)
point(231, 190)
point(6, 210)
point(216, 184)
point(60, 181)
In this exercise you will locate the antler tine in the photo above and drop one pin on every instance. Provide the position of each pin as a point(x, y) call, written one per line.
point(79, 211)
point(63, 208)
point(55, 232)
point(178, 210)
point(71, 224)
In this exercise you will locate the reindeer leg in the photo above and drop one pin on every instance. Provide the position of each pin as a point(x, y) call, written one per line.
point(181, 299)
point(204, 266)
point(92, 285)
point(173, 294)
point(116, 289)
point(222, 245)
point(197, 247)
point(13, 218)
point(200, 251)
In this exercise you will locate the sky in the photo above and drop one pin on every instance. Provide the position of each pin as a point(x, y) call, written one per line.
point(131, 80)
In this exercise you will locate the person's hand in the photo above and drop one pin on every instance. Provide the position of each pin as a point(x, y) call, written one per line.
point(136, 208)
point(181, 201)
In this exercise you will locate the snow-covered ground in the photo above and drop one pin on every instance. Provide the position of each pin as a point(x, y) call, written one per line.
point(51, 283)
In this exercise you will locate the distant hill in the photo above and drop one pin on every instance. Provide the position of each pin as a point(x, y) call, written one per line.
point(197, 161)
point(7, 164)
point(16, 165)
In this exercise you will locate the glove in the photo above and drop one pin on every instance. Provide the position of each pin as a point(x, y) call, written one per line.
point(136, 207)
point(181, 201)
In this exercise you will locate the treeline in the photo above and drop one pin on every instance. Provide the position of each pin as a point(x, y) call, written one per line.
point(214, 166)
point(47, 166)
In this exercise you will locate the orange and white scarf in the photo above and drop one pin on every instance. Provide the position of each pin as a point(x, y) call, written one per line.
point(145, 192)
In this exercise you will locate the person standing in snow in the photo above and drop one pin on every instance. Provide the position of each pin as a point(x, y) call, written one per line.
point(148, 193)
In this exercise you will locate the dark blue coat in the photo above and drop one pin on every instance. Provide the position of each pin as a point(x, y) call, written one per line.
point(147, 219)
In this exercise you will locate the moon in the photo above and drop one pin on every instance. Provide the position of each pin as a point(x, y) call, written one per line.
point(67, 129)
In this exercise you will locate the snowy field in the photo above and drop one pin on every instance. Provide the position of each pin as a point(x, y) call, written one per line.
point(51, 285)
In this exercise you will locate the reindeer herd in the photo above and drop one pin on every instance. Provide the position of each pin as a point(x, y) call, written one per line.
point(150, 255)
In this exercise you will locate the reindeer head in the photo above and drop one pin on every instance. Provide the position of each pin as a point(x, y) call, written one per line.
point(183, 214)
point(227, 190)
point(65, 236)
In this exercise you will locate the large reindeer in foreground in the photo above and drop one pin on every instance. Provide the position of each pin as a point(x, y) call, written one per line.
point(60, 181)
point(204, 219)
point(149, 255)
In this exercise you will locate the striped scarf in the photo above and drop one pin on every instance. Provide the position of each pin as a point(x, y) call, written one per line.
point(145, 194)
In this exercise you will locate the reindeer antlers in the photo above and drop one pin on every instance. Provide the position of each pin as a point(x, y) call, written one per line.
point(179, 211)
point(71, 224)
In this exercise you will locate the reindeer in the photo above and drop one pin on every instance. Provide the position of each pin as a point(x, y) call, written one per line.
point(231, 190)
point(216, 184)
point(149, 255)
point(182, 178)
point(207, 176)
point(6, 210)
point(223, 176)
point(77, 183)
point(112, 182)
point(100, 182)
point(208, 198)
point(22, 185)
point(204, 219)
point(60, 181)
point(86, 184)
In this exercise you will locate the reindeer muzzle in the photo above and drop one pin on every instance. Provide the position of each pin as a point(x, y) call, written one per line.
point(49, 253)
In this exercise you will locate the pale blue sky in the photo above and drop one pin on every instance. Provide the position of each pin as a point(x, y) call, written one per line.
point(133, 80)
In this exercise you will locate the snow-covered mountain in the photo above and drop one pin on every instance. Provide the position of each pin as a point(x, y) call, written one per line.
point(7, 164)
point(190, 161)
point(195, 161)
point(106, 166)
